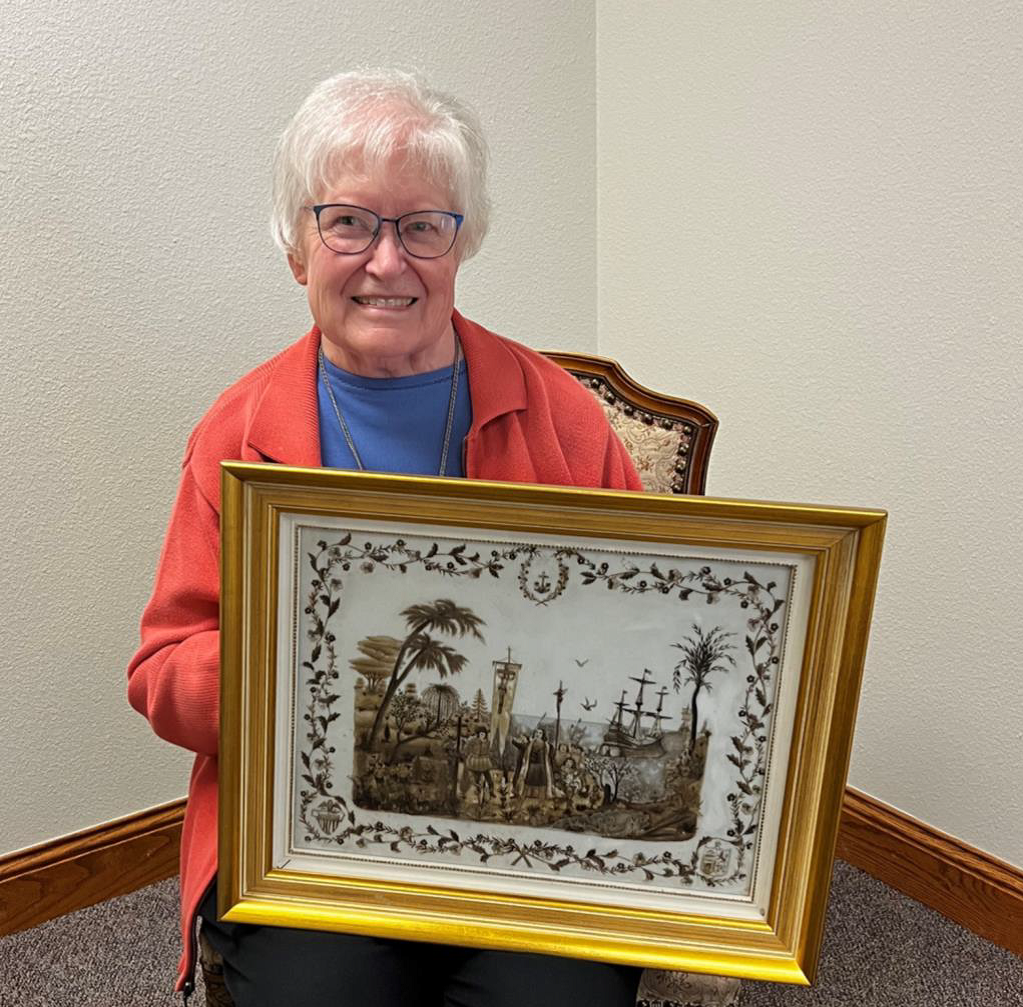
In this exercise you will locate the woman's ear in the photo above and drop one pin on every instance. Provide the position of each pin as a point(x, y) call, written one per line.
point(298, 269)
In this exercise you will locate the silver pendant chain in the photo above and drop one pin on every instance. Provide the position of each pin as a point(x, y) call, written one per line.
point(451, 409)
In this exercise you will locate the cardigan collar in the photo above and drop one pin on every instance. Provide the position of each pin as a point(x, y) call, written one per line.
point(496, 382)
point(285, 426)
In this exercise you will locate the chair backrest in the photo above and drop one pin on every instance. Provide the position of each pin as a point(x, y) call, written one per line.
point(669, 439)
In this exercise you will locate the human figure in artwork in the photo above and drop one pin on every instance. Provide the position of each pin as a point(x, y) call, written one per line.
point(572, 782)
point(478, 764)
point(504, 757)
point(535, 780)
point(502, 716)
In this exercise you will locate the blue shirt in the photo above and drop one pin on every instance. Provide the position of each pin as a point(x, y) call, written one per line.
point(397, 424)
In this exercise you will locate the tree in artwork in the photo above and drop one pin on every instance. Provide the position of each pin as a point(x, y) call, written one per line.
point(377, 661)
point(702, 655)
point(478, 710)
point(421, 652)
point(406, 710)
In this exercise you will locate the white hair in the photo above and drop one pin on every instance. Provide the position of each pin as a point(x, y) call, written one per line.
point(355, 123)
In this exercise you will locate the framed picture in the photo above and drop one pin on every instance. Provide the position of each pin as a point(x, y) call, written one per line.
point(599, 724)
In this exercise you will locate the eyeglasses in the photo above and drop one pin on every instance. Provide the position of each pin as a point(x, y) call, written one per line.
point(349, 230)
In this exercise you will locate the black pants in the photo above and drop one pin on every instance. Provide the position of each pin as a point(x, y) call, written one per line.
point(285, 967)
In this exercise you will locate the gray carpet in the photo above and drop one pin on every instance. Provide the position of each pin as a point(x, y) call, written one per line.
point(880, 950)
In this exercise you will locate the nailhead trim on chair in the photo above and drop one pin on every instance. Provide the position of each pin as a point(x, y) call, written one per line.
point(631, 422)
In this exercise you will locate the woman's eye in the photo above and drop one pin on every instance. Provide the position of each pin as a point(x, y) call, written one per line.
point(419, 227)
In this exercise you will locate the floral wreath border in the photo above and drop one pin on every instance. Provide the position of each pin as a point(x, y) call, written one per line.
point(750, 744)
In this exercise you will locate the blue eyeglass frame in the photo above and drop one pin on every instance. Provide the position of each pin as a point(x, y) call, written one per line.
point(318, 208)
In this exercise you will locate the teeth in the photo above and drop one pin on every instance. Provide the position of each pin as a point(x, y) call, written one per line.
point(386, 302)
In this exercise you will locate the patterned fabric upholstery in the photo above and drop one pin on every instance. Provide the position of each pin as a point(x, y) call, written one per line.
point(212, 964)
point(660, 988)
point(658, 445)
point(669, 441)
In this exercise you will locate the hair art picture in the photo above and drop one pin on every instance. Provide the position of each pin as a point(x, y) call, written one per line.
point(607, 725)
point(453, 709)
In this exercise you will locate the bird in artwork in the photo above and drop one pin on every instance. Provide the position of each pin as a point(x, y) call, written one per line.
point(588, 704)
point(582, 664)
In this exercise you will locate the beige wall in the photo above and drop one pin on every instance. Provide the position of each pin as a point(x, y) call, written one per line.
point(810, 219)
point(139, 280)
point(806, 215)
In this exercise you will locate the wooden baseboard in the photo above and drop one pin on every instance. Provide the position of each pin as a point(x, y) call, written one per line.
point(76, 871)
point(970, 887)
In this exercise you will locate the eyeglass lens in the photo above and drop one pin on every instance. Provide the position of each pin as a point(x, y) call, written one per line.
point(351, 229)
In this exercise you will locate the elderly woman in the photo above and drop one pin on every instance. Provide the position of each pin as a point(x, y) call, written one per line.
point(379, 196)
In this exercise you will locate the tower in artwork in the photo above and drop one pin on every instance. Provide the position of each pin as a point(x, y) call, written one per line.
point(506, 678)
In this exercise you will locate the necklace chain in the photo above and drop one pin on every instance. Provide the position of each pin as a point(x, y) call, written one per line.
point(452, 399)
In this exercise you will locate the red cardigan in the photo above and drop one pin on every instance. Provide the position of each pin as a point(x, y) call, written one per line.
point(531, 422)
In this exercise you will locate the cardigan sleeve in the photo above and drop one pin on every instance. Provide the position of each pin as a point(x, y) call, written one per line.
point(174, 678)
point(619, 470)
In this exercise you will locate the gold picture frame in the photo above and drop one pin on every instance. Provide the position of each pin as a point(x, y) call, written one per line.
point(524, 717)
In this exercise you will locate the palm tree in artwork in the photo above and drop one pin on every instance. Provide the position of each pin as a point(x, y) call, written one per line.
point(702, 655)
point(421, 652)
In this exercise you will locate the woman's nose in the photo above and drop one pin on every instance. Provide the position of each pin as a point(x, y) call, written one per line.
point(388, 257)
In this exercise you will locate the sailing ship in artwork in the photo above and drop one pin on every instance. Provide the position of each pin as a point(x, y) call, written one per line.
point(633, 770)
point(638, 733)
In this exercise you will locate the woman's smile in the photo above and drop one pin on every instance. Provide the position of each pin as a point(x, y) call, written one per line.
point(385, 302)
